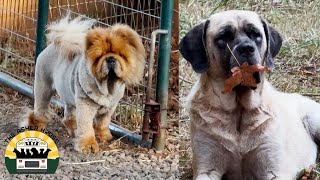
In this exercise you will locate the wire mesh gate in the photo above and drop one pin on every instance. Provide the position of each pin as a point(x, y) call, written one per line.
point(18, 39)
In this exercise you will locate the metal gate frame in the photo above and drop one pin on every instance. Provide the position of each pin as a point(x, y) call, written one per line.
point(162, 80)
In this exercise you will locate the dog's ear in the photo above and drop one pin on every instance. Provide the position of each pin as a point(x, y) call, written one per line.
point(193, 47)
point(131, 36)
point(274, 43)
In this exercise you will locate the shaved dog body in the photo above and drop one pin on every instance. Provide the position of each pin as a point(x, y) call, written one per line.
point(88, 68)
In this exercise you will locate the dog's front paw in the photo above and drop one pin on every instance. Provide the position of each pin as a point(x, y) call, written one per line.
point(203, 177)
point(34, 120)
point(86, 144)
point(207, 177)
point(70, 124)
point(103, 134)
point(211, 175)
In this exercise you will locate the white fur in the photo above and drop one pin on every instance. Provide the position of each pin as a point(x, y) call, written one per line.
point(69, 35)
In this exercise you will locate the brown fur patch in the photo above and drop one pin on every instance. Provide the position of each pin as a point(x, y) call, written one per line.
point(103, 134)
point(86, 144)
point(34, 120)
point(120, 42)
point(70, 124)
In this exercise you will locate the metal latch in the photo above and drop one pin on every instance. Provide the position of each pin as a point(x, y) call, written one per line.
point(152, 113)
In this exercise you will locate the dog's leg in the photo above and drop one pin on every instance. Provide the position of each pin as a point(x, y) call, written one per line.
point(267, 161)
point(209, 157)
point(43, 92)
point(85, 140)
point(101, 125)
point(69, 120)
point(205, 162)
point(309, 111)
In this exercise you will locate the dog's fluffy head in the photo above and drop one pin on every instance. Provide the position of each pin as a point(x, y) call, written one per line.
point(115, 52)
point(248, 36)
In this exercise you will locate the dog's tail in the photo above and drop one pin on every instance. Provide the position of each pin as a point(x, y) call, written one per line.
point(69, 35)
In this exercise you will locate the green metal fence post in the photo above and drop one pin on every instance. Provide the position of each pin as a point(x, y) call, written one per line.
point(166, 13)
point(43, 11)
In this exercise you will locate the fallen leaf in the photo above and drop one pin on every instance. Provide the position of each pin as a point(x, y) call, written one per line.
point(233, 81)
point(243, 75)
point(308, 73)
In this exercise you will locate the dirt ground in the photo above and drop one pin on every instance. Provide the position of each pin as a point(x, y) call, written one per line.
point(116, 160)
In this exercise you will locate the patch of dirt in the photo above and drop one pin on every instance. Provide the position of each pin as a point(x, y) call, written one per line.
point(115, 160)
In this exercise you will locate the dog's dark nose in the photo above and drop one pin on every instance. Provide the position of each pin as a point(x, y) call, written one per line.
point(246, 49)
point(111, 61)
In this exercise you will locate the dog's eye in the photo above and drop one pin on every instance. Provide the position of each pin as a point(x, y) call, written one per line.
point(253, 33)
point(223, 38)
point(226, 36)
point(221, 44)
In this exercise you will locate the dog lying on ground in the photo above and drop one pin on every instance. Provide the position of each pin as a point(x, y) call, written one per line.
point(89, 69)
point(258, 134)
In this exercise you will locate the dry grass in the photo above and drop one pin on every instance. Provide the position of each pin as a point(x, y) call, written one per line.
point(296, 68)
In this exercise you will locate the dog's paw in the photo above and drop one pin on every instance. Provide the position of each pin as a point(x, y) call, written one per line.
point(34, 120)
point(86, 144)
point(207, 177)
point(70, 124)
point(103, 134)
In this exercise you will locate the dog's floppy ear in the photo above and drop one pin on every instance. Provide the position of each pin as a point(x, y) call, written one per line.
point(274, 43)
point(193, 47)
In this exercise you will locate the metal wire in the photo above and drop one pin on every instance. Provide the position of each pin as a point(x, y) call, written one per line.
point(18, 34)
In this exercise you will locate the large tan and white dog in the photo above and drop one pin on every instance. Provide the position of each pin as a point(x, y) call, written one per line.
point(250, 134)
point(89, 69)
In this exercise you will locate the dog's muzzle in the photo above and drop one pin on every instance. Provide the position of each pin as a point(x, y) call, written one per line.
point(111, 62)
point(246, 52)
